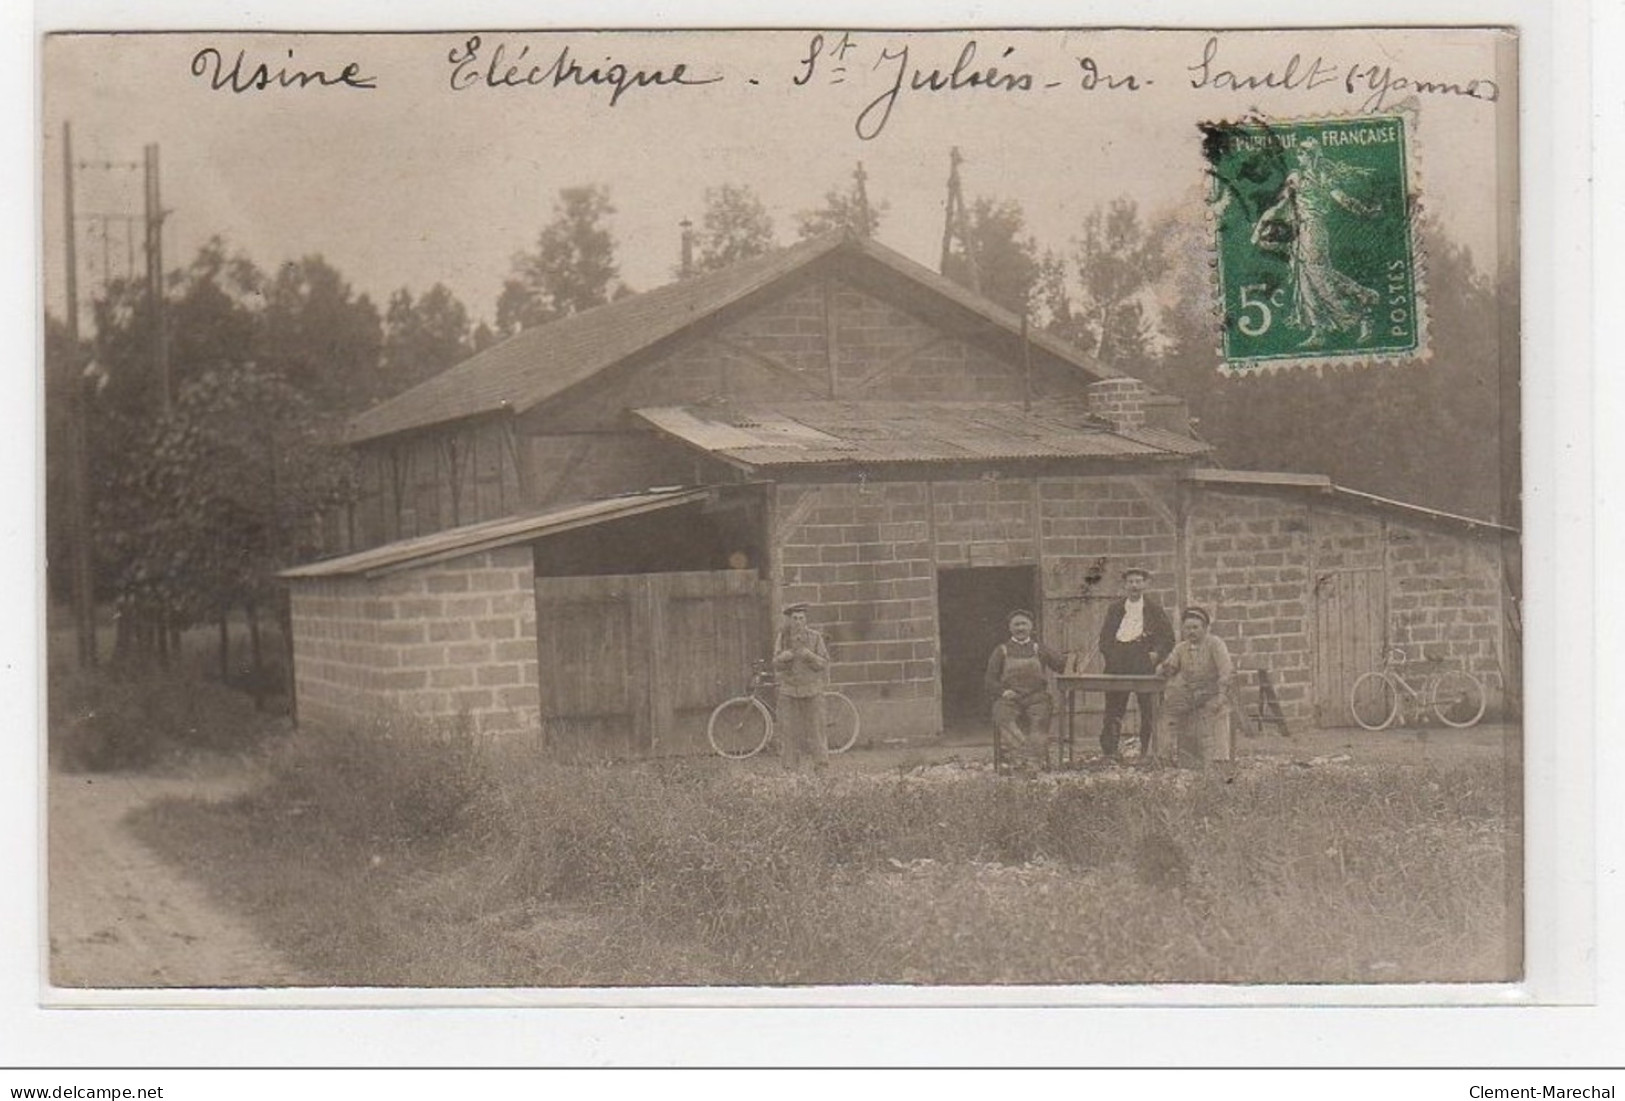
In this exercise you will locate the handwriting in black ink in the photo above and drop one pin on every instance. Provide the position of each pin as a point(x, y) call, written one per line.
point(209, 63)
point(1380, 81)
point(964, 74)
point(1292, 76)
point(1093, 78)
point(1377, 82)
point(501, 68)
point(815, 49)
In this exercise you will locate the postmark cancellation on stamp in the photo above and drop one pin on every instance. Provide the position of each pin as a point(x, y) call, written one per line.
point(1315, 251)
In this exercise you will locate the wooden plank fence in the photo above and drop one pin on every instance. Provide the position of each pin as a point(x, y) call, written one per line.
point(632, 664)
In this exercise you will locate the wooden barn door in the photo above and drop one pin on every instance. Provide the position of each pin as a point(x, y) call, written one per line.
point(631, 665)
point(1351, 616)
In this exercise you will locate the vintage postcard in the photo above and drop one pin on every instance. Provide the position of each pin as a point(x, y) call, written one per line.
point(606, 510)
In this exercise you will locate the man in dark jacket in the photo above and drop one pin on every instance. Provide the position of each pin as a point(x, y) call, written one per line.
point(1136, 635)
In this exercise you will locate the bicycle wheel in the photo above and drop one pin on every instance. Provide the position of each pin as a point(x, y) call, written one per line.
point(739, 727)
point(1373, 701)
point(1457, 698)
point(841, 723)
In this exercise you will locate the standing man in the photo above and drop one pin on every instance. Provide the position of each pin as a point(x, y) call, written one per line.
point(1136, 635)
point(1198, 694)
point(802, 662)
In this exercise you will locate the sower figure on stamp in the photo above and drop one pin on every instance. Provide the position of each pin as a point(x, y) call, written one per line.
point(1198, 695)
point(1134, 637)
point(802, 662)
point(1017, 681)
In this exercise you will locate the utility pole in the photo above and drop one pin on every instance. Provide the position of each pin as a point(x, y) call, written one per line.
point(155, 275)
point(82, 570)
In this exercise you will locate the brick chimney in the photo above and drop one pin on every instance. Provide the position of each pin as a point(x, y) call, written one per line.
point(1121, 401)
point(686, 265)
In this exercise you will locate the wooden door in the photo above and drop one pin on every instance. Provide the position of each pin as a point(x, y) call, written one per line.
point(632, 664)
point(1351, 617)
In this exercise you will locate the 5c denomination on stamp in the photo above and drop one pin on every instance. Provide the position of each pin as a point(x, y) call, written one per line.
point(1316, 257)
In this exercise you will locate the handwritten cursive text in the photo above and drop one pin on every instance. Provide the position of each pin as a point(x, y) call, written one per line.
point(963, 74)
point(209, 64)
point(503, 67)
point(1376, 82)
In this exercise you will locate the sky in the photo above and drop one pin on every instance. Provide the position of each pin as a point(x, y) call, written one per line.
point(433, 174)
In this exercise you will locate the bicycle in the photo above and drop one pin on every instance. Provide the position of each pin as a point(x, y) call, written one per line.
point(742, 726)
point(1381, 696)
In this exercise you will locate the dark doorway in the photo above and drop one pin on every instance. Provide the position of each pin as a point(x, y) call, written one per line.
point(971, 608)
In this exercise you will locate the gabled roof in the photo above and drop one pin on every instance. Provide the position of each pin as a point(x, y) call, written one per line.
point(536, 364)
point(871, 433)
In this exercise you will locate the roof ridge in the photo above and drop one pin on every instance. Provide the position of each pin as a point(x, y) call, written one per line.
point(536, 364)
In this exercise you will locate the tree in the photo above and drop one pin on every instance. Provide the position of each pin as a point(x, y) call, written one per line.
point(214, 499)
point(1118, 263)
point(321, 337)
point(848, 210)
point(572, 269)
point(197, 506)
point(423, 338)
point(1006, 262)
point(1055, 305)
point(735, 227)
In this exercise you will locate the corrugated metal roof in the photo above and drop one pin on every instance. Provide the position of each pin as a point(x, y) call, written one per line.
point(1276, 479)
point(538, 363)
point(800, 433)
point(474, 538)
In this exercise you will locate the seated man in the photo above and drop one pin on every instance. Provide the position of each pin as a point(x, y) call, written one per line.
point(1196, 701)
point(1017, 682)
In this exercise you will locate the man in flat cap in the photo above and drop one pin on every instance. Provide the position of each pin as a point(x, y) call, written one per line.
point(802, 662)
point(1135, 636)
point(1198, 692)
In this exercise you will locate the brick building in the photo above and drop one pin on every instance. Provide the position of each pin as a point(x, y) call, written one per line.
point(588, 529)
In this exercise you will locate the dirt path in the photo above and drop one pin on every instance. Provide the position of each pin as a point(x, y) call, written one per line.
point(120, 916)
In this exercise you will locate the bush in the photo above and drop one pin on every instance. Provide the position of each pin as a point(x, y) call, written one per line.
point(398, 779)
point(104, 720)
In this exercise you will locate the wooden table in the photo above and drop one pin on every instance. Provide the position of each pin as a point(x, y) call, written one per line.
point(1071, 685)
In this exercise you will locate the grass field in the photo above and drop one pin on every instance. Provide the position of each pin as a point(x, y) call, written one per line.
point(403, 856)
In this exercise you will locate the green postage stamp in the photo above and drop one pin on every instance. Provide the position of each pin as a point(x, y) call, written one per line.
point(1316, 261)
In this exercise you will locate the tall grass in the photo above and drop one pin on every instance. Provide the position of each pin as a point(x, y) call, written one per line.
point(404, 855)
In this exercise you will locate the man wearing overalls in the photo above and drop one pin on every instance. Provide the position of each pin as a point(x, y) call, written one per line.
point(1020, 689)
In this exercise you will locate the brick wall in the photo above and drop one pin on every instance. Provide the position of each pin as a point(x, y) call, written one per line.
point(867, 558)
point(777, 353)
point(985, 522)
point(1248, 563)
point(1255, 558)
point(1092, 530)
point(1444, 599)
point(443, 641)
point(862, 555)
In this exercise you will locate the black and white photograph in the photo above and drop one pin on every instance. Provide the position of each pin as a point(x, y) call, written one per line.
point(866, 508)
